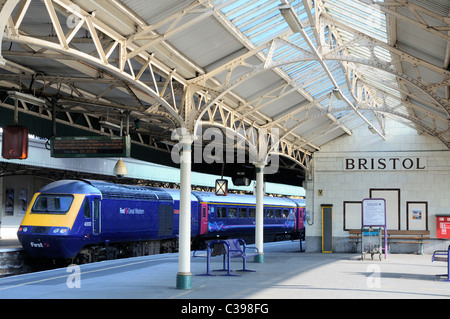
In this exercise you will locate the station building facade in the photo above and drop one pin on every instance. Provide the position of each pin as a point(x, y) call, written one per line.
point(410, 171)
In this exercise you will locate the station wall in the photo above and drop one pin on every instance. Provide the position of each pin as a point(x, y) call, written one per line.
point(411, 171)
point(16, 194)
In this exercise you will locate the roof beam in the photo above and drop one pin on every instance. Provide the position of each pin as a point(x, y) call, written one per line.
point(296, 25)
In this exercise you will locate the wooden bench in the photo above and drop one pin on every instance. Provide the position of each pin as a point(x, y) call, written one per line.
point(229, 248)
point(398, 237)
point(443, 255)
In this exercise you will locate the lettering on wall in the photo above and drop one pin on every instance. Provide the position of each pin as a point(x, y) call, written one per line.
point(385, 164)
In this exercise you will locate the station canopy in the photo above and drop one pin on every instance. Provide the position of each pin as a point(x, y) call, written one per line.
point(297, 73)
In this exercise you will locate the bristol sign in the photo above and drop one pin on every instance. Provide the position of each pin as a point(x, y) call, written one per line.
point(385, 163)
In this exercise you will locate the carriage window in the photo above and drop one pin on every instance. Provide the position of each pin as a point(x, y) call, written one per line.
point(269, 213)
point(242, 212)
point(221, 212)
point(232, 212)
point(252, 212)
point(52, 204)
point(277, 213)
point(86, 208)
point(285, 213)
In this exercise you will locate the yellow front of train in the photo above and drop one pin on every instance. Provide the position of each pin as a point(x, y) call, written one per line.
point(46, 229)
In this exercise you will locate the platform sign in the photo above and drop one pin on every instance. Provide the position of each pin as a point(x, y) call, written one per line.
point(374, 215)
point(90, 146)
point(374, 212)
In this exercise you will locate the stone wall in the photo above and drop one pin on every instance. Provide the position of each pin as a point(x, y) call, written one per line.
point(411, 170)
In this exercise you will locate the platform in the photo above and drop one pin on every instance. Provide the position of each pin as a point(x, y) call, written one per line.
point(7, 245)
point(285, 274)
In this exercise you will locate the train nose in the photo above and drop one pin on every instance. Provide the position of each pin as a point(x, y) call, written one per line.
point(48, 242)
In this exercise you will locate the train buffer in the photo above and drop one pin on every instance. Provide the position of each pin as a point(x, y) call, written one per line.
point(228, 248)
point(443, 255)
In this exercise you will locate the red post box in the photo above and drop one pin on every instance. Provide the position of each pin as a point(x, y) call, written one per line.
point(443, 227)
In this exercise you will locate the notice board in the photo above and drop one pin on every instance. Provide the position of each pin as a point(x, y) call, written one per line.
point(374, 212)
point(374, 215)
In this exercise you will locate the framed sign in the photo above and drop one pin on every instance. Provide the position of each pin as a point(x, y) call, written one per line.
point(374, 212)
point(374, 215)
point(417, 215)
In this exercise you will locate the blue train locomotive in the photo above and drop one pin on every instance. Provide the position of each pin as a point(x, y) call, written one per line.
point(91, 220)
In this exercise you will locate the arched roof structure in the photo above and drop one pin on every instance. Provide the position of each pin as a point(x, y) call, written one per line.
point(303, 71)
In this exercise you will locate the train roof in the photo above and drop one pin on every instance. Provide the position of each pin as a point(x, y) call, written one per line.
point(118, 191)
point(242, 199)
point(70, 186)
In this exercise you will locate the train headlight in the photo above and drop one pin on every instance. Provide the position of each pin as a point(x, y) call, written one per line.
point(60, 230)
point(23, 229)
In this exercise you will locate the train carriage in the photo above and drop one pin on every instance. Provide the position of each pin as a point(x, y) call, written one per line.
point(87, 219)
point(235, 216)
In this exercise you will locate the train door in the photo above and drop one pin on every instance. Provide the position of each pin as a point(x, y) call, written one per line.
point(96, 216)
point(300, 216)
point(204, 219)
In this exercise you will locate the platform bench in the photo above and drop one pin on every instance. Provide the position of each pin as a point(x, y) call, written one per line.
point(229, 248)
point(398, 237)
point(443, 255)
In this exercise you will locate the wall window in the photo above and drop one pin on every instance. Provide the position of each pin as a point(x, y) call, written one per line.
point(9, 202)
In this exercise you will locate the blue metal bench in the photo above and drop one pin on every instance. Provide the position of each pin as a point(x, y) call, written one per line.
point(229, 248)
point(443, 255)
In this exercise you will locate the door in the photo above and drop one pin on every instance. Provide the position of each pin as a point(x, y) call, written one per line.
point(96, 216)
point(204, 219)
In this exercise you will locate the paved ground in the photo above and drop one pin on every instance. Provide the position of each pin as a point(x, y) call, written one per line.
point(285, 274)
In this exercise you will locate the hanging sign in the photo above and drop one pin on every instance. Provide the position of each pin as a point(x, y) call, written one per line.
point(90, 146)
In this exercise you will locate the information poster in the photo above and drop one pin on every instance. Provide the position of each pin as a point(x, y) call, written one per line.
point(374, 212)
point(374, 215)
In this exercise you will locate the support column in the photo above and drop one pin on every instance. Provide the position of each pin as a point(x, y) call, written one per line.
point(184, 276)
point(259, 226)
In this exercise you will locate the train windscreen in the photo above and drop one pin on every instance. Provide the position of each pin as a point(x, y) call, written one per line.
point(52, 204)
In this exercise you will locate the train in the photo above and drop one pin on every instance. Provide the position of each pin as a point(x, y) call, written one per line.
point(89, 220)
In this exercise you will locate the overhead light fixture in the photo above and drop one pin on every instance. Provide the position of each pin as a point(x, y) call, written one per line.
point(337, 94)
point(28, 98)
point(291, 17)
point(110, 125)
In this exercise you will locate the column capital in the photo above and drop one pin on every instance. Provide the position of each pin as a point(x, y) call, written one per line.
point(184, 136)
point(260, 165)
